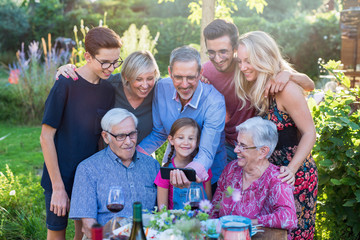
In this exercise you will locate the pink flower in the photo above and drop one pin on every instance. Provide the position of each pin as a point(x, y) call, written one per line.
point(236, 195)
point(14, 76)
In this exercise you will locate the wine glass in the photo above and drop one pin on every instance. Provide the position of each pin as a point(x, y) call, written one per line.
point(115, 203)
point(194, 195)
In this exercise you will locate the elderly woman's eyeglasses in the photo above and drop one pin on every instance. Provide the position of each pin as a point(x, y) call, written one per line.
point(243, 148)
point(122, 136)
point(106, 65)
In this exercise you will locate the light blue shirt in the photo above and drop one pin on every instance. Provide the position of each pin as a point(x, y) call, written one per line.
point(96, 174)
point(207, 108)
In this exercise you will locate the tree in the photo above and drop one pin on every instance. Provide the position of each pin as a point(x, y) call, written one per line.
point(205, 11)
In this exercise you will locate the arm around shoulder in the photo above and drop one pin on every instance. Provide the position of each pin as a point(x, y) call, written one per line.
point(302, 80)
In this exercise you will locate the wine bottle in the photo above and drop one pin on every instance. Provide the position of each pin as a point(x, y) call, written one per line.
point(137, 230)
point(96, 232)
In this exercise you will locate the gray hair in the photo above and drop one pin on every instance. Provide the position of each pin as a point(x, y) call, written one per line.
point(263, 132)
point(116, 116)
point(137, 63)
point(185, 54)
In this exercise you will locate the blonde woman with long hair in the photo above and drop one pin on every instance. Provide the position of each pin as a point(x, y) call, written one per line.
point(259, 60)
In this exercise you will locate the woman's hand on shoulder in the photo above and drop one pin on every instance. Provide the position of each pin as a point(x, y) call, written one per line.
point(204, 80)
point(287, 175)
point(67, 71)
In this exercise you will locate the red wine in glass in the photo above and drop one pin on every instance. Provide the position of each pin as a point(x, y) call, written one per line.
point(115, 207)
point(194, 205)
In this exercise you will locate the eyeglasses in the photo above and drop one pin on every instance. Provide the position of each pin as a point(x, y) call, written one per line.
point(189, 79)
point(106, 65)
point(223, 53)
point(243, 148)
point(122, 136)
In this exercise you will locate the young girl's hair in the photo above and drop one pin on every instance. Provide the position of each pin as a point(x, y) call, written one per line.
point(184, 122)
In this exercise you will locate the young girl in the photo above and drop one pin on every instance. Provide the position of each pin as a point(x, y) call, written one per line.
point(184, 139)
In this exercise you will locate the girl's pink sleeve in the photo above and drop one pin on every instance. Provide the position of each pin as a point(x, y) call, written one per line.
point(164, 183)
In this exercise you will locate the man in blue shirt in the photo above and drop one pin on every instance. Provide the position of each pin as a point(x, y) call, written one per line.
point(117, 165)
point(183, 95)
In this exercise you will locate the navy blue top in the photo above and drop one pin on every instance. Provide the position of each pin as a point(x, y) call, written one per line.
point(75, 109)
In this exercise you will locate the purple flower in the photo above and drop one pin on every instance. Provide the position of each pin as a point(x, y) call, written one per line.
point(205, 206)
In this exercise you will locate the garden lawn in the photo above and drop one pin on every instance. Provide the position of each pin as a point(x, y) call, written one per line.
point(22, 217)
point(20, 149)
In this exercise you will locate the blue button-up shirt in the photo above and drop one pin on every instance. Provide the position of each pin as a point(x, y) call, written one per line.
point(207, 107)
point(96, 174)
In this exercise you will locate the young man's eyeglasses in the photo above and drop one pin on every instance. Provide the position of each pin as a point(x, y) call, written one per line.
point(243, 148)
point(223, 53)
point(189, 79)
point(106, 65)
point(122, 136)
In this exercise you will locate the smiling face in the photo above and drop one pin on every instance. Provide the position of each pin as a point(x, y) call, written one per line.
point(223, 60)
point(104, 55)
point(246, 157)
point(143, 84)
point(184, 141)
point(185, 78)
point(245, 66)
point(123, 149)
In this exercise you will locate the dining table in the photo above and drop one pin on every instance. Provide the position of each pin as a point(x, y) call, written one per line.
point(266, 233)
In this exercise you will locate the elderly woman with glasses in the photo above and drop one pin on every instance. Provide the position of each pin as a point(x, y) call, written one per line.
point(258, 192)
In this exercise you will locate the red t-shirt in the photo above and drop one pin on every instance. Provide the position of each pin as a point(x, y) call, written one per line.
point(223, 82)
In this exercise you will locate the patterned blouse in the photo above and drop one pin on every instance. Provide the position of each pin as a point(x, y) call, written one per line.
point(266, 199)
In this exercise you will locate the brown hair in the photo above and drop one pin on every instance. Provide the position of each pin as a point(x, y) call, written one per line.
point(219, 28)
point(101, 37)
point(183, 122)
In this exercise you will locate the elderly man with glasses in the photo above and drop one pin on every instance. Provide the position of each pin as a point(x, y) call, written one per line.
point(118, 165)
point(183, 95)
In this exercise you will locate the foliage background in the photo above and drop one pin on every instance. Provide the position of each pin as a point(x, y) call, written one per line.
point(305, 29)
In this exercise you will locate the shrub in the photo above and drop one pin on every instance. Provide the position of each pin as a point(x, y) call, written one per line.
point(337, 153)
point(34, 77)
point(14, 25)
point(21, 207)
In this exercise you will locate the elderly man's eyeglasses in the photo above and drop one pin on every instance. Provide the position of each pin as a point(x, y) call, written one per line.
point(223, 53)
point(189, 79)
point(122, 136)
point(243, 148)
point(106, 65)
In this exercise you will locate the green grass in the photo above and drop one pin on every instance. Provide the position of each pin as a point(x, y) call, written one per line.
point(21, 151)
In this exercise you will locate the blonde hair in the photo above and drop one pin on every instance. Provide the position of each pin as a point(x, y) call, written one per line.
point(265, 57)
point(137, 63)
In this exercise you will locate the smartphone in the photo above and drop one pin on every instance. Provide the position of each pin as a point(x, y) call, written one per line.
point(189, 173)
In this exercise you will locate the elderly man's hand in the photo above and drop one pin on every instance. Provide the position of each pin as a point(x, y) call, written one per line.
point(287, 175)
point(179, 180)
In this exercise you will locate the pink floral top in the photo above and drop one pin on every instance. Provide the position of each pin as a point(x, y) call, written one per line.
point(267, 199)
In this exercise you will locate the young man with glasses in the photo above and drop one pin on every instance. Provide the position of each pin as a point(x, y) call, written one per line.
point(221, 39)
point(71, 125)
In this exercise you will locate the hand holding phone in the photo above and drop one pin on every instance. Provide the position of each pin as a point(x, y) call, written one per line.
point(189, 173)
